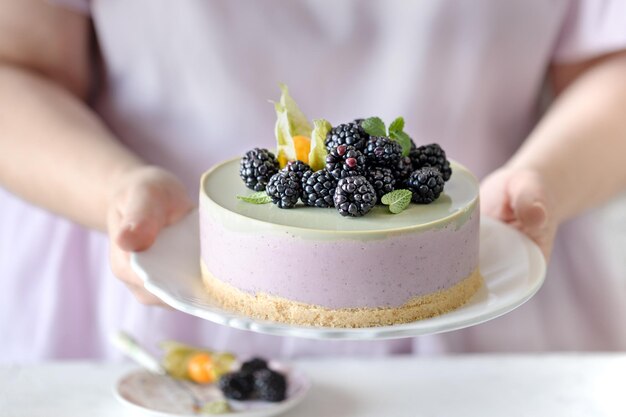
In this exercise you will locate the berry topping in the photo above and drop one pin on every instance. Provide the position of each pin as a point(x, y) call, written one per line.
point(426, 184)
point(299, 167)
point(350, 134)
point(354, 196)
point(431, 156)
point(382, 151)
point(270, 385)
point(253, 365)
point(382, 179)
point(402, 169)
point(256, 168)
point(345, 161)
point(284, 188)
point(318, 189)
point(236, 385)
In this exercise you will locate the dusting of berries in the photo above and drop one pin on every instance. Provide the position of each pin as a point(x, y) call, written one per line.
point(365, 160)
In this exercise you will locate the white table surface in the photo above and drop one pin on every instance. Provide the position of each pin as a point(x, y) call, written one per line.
point(569, 385)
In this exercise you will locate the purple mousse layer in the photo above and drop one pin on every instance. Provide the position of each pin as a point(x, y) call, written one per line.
point(384, 272)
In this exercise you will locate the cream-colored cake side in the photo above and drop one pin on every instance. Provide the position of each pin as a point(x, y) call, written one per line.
point(268, 307)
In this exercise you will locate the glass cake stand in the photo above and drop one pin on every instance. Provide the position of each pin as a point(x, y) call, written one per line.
point(512, 266)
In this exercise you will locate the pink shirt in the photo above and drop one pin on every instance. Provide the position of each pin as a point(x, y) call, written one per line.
point(186, 85)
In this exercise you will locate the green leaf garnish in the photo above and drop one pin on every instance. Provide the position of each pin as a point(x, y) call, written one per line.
point(397, 200)
point(260, 197)
point(318, 152)
point(374, 126)
point(403, 139)
point(397, 125)
point(290, 122)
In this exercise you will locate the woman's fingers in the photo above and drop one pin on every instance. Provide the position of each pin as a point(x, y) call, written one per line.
point(528, 202)
point(146, 201)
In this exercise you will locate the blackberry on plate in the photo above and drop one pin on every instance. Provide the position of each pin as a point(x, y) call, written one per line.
point(345, 161)
point(382, 179)
point(431, 156)
point(318, 189)
point(298, 167)
point(253, 365)
point(236, 386)
point(350, 134)
point(426, 184)
point(403, 169)
point(270, 385)
point(382, 151)
point(284, 188)
point(354, 196)
point(256, 168)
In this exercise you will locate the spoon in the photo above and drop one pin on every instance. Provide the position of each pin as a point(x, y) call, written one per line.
point(131, 348)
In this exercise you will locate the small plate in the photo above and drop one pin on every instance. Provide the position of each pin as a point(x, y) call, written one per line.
point(159, 396)
point(512, 266)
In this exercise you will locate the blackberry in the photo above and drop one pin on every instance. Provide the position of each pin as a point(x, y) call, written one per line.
point(426, 184)
point(256, 168)
point(350, 134)
point(318, 189)
point(403, 169)
point(431, 156)
point(382, 151)
point(382, 179)
point(284, 188)
point(299, 167)
point(236, 385)
point(345, 161)
point(253, 365)
point(270, 385)
point(354, 196)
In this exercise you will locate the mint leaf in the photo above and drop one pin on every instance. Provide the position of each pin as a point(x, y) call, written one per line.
point(403, 139)
point(397, 125)
point(397, 200)
point(260, 197)
point(374, 126)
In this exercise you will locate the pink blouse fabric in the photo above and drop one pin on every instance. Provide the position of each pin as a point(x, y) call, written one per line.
point(186, 85)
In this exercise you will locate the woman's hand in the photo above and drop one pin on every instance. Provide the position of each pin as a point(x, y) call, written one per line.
point(520, 198)
point(143, 201)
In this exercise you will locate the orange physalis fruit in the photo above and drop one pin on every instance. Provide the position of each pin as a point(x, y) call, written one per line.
point(200, 368)
point(302, 144)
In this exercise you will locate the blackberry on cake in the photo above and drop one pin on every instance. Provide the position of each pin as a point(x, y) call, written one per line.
point(350, 134)
point(318, 189)
point(426, 184)
point(345, 161)
point(284, 188)
point(236, 385)
point(382, 151)
point(354, 196)
point(253, 365)
point(270, 385)
point(257, 167)
point(403, 169)
point(431, 156)
point(382, 179)
point(299, 167)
